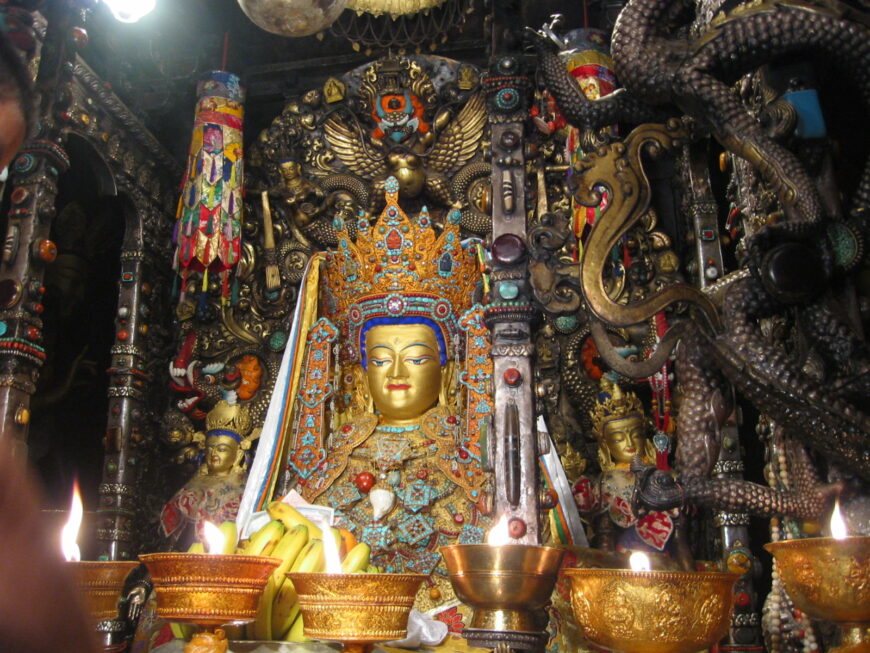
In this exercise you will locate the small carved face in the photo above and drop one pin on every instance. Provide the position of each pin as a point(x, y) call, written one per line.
point(251, 371)
point(625, 438)
point(179, 435)
point(591, 88)
point(290, 169)
point(222, 452)
point(403, 370)
point(312, 98)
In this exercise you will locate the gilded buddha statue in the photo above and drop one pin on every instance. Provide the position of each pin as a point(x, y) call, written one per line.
point(621, 430)
point(380, 410)
point(215, 490)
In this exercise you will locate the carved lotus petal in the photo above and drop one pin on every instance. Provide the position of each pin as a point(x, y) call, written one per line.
point(382, 502)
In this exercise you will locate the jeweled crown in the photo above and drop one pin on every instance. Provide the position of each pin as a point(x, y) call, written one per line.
point(613, 404)
point(398, 268)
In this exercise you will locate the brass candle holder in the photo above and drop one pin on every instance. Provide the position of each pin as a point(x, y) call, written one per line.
point(829, 579)
point(100, 583)
point(208, 590)
point(652, 611)
point(507, 586)
point(356, 610)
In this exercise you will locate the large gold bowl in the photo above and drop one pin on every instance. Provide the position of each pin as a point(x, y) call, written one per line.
point(357, 608)
point(829, 579)
point(101, 583)
point(652, 611)
point(506, 585)
point(208, 590)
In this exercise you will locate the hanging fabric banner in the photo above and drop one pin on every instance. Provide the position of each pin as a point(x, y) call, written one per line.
point(208, 226)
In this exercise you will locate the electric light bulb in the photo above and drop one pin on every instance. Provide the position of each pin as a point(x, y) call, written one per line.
point(129, 11)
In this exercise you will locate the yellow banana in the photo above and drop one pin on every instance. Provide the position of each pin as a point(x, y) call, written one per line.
point(288, 549)
point(285, 609)
point(182, 631)
point(289, 516)
point(264, 540)
point(196, 547)
point(296, 632)
point(357, 559)
point(231, 535)
point(262, 626)
point(311, 558)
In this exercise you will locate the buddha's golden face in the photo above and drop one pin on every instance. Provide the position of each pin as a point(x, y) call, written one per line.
point(404, 370)
point(625, 438)
point(221, 454)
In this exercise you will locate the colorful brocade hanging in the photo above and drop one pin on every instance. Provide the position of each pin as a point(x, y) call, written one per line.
point(208, 227)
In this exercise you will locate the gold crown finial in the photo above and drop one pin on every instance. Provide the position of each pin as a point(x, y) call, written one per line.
point(226, 417)
point(398, 270)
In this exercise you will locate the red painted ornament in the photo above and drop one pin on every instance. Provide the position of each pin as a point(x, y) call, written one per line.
point(33, 333)
point(516, 527)
point(513, 377)
point(422, 474)
point(123, 334)
point(365, 481)
point(19, 195)
point(459, 518)
point(742, 599)
point(47, 250)
point(463, 454)
point(549, 500)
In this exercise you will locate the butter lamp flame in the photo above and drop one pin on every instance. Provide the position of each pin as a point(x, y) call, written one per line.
point(215, 540)
point(70, 532)
point(838, 524)
point(639, 561)
point(331, 553)
point(499, 535)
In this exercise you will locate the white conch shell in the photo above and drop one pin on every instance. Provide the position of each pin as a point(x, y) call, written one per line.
point(382, 502)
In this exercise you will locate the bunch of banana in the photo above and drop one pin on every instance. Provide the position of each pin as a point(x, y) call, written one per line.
point(298, 543)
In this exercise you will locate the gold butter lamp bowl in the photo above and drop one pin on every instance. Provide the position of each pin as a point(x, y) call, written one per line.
point(652, 611)
point(101, 583)
point(208, 590)
point(356, 609)
point(829, 579)
point(507, 586)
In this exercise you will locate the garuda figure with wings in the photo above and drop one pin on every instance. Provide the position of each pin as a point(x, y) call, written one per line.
point(430, 153)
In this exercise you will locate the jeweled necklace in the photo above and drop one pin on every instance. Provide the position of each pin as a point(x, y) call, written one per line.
point(385, 428)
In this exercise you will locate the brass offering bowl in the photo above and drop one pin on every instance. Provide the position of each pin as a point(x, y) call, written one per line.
point(101, 583)
point(356, 609)
point(652, 611)
point(506, 585)
point(587, 558)
point(830, 579)
point(208, 589)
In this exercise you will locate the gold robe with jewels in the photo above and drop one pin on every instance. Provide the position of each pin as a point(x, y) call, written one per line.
point(423, 485)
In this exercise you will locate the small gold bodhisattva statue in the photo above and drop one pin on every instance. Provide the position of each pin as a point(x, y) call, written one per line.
point(214, 493)
point(621, 429)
